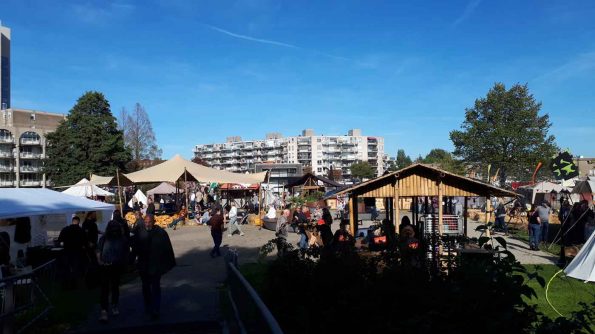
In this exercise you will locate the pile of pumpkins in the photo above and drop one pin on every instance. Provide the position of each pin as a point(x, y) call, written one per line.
point(160, 220)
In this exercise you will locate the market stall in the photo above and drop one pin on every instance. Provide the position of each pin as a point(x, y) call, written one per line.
point(46, 212)
point(84, 188)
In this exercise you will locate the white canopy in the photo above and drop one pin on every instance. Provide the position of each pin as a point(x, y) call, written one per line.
point(140, 197)
point(178, 168)
point(583, 265)
point(25, 202)
point(84, 188)
point(163, 189)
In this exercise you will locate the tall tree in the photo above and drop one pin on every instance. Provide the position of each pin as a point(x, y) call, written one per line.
point(402, 160)
point(445, 160)
point(504, 129)
point(362, 170)
point(87, 141)
point(139, 137)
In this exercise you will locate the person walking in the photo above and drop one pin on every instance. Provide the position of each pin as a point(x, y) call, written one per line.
point(216, 223)
point(534, 228)
point(155, 258)
point(281, 231)
point(543, 211)
point(150, 206)
point(72, 238)
point(112, 256)
point(501, 217)
point(233, 220)
point(302, 222)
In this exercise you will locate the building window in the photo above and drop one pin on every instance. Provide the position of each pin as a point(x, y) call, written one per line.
point(319, 169)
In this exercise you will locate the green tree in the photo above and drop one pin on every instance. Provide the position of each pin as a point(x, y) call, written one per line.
point(444, 160)
point(362, 170)
point(505, 129)
point(402, 160)
point(87, 141)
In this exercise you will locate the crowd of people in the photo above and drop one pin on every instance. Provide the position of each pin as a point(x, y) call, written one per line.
point(101, 260)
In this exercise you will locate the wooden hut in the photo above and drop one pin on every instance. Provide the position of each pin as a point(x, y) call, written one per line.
point(310, 182)
point(417, 181)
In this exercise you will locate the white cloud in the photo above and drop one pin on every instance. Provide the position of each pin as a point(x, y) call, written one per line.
point(469, 9)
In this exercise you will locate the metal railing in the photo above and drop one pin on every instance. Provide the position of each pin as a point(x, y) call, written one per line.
point(26, 294)
point(251, 312)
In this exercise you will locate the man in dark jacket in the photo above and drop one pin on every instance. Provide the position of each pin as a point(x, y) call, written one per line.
point(155, 258)
point(72, 238)
point(216, 222)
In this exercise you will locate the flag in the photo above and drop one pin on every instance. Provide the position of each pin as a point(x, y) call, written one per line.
point(563, 166)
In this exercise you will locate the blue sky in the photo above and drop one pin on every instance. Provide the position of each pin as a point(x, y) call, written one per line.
point(406, 71)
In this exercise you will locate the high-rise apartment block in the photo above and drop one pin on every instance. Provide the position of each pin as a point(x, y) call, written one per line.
point(22, 146)
point(318, 153)
point(4, 67)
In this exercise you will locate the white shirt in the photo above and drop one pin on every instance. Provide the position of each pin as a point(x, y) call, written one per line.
point(272, 213)
point(192, 197)
point(233, 212)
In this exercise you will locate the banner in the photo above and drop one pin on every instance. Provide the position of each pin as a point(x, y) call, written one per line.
point(563, 166)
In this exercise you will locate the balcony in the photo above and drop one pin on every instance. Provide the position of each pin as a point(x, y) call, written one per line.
point(6, 154)
point(30, 169)
point(4, 183)
point(30, 183)
point(30, 141)
point(6, 169)
point(31, 155)
point(6, 140)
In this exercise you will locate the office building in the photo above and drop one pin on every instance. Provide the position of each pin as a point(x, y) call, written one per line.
point(22, 146)
point(4, 67)
point(316, 153)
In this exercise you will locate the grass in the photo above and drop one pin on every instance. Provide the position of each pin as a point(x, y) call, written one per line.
point(565, 293)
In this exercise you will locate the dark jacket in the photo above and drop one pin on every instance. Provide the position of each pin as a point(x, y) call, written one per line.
point(73, 238)
point(91, 231)
point(155, 252)
point(113, 251)
point(151, 208)
point(216, 223)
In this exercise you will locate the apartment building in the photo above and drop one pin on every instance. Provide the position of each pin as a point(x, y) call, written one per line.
point(4, 67)
point(22, 146)
point(317, 153)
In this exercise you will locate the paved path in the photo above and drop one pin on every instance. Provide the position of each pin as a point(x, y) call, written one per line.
point(189, 291)
point(517, 247)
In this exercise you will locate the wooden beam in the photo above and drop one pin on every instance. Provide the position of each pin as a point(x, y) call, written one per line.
point(352, 221)
point(488, 213)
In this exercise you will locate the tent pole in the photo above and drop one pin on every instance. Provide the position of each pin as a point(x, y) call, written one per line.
point(119, 191)
point(90, 185)
point(186, 189)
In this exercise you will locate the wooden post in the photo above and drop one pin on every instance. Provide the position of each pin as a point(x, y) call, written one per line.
point(488, 213)
point(119, 192)
point(465, 217)
point(351, 215)
point(440, 207)
point(186, 193)
point(396, 210)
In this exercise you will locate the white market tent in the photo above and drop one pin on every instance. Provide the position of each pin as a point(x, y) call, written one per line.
point(585, 188)
point(163, 189)
point(180, 169)
point(544, 187)
point(43, 206)
point(84, 188)
point(583, 265)
point(140, 197)
point(25, 202)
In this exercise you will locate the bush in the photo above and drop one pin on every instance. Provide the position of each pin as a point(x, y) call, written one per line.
point(352, 292)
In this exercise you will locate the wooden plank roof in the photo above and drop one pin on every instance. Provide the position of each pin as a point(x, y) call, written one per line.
point(424, 180)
